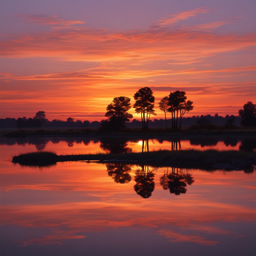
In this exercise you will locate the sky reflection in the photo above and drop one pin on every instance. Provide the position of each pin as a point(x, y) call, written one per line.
point(79, 203)
point(93, 207)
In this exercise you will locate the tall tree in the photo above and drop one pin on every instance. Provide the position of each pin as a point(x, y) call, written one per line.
point(38, 120)
point(70, 120)
point(248, 114)
point(185, 108)
point(40, 115)
point(117, 112)
point(144, 104)
point(176, 99)
point(178, 106)
point(163, 105)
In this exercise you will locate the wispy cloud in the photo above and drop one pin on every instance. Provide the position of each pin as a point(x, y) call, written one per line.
point(212, 25)
point(171, 19)
point(49, 20)
point(101, 45)
point(178, 237)
point(111, 74)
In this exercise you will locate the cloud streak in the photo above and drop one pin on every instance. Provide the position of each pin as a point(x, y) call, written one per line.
point(49, 20)
point(102, 45)
point(171, 19)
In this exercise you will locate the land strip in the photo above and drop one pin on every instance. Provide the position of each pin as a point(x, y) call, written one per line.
point(205, 160)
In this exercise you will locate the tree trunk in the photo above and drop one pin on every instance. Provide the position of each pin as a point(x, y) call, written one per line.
point(177, 120)
point(180, 120)
point(141, 119)
point(165, 120)
point(174, 119)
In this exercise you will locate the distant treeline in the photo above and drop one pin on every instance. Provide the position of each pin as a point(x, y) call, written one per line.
point(22, 123)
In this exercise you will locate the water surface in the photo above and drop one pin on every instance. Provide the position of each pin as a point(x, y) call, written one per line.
point(79, 208)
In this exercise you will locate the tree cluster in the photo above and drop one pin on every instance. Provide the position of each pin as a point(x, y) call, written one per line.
point(35, 122)
point(178, 105)
point(248, 115)
point(117, 110)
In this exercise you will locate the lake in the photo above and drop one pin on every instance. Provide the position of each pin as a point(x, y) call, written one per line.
point(80, 208)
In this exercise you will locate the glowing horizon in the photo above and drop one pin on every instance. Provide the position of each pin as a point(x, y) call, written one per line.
point(68, 64)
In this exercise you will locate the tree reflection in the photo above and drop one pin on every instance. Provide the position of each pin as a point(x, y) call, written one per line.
point(145, 184)
point(229, 141)
point(203, 142)
point(70, 143)
point(248, 145)
point(115, 146)
point(119, 172)
point(41, 146)
point(145, 147)
point(176, 145)
point(176, 181)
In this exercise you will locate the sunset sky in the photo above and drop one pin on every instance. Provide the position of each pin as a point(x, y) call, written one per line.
point(70, 58)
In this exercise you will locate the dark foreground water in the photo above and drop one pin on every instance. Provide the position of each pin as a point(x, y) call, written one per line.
point(80, 208)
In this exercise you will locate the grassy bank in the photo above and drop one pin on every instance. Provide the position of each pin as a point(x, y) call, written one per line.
point(209, 159)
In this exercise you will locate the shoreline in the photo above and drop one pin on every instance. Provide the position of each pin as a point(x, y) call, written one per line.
point(190, 159)
point(151, 133)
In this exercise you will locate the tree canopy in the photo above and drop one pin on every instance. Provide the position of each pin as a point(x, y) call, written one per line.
point(144, 105)
point(40, 115)
point(117, 113)
point(248, 114)
point(178, 106)
point(163, 105)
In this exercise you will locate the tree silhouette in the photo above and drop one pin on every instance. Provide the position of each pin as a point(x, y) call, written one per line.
point(163, 105)
point(176, 101)
point(144, 104)
point(248, 114)
point(40, 115)
point(39, 118)
point(231, 120)
point(178, 106)
point(145, 184)
point(21, 122)
point(185, 108)
point(70, 120)
point(117, 113)
point(119, 172)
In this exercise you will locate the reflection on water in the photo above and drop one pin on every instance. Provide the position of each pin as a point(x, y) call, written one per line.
point(144, 179)
point(121, 145)
point(79, 208)
point(176, 180)
point(119, 172)
point(115, 145)
point(124, 145)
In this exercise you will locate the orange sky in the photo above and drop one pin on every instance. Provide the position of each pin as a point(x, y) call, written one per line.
point(66, 68)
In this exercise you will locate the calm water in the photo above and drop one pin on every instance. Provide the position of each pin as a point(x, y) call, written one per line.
point(96, 209)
